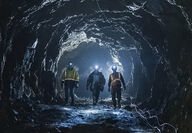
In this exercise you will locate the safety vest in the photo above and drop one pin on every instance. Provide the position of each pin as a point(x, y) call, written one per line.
point(70, 74)
point(115, 80)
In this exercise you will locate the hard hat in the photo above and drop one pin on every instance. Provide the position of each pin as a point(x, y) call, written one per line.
point(114, 68)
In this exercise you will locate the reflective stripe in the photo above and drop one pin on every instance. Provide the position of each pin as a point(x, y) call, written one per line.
point(111, 77)
point(71, 79)
point(70, 75)
point(65, 74)
point(73, 74)
point(115, 79)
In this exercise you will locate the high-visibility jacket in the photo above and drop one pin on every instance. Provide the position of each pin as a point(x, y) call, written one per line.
point(70, 74)
point(115, 80)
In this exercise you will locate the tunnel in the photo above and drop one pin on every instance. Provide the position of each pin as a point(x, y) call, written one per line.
point(149, 42)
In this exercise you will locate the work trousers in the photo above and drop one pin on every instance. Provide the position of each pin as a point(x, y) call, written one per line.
point(95, 93)
point(69, 88)
point(116, 93)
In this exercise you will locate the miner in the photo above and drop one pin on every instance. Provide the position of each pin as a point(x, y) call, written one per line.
point(95, 83)
point(70, 80)
point(115, 82)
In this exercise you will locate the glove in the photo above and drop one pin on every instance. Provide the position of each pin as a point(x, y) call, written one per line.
point(124, 88)
point(76, 85)
point(101, 88)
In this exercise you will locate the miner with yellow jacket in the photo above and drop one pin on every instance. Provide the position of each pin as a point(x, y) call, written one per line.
point(70, 79)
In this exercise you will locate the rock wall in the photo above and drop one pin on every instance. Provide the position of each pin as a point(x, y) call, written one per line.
point(35, 33)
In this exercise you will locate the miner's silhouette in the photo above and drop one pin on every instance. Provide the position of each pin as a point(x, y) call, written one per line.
point(95, 83)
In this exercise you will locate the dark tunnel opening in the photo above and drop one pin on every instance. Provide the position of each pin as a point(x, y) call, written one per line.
point(90, 53)
point(85, 57)
point(149, 41)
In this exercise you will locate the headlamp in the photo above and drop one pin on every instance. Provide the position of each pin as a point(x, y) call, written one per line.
point(96, 67)
point(114, 68)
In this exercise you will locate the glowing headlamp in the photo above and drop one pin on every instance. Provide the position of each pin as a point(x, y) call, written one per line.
point(70, 64)
point(114, 68)
point(96, 67)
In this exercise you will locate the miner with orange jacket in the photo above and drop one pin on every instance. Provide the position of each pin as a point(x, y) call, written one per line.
point(114, 84)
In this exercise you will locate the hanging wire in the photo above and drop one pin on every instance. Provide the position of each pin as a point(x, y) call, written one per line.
point(137, 110)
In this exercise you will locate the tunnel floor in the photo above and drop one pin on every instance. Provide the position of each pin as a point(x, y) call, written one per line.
point(82, 118)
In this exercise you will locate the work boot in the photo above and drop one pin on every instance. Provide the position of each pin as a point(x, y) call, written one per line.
point(119, 105)
point(94, 102)
point(72, 104)
point(114, 105)
point(72, 101)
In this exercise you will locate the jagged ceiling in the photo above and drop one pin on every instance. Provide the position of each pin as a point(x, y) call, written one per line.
point(36, 32)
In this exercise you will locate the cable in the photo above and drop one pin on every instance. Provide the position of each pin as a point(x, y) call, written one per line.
point(136, 108)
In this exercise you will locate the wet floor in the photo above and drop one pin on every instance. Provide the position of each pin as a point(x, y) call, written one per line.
point(71, 116)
